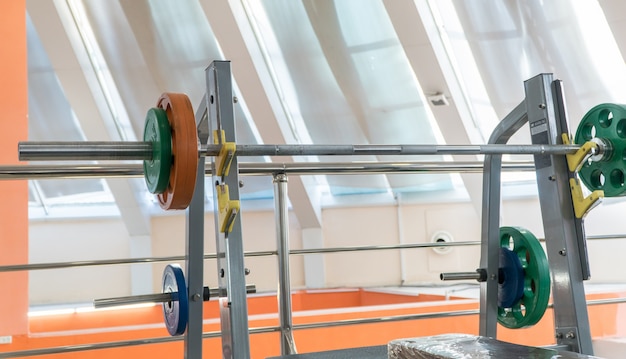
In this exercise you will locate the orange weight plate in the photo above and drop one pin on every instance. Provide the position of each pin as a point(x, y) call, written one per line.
point(184, 151)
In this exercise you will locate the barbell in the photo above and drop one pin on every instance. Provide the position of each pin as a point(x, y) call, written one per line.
point(170, 150)
point(523, 278)
point(174, 298)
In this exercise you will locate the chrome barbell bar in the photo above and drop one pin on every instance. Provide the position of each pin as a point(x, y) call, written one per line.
point(260, 169)
point(126, 150)
point(158, 297)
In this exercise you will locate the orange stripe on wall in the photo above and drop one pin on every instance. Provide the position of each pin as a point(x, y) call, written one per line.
point(138, 323)
point(13, 194)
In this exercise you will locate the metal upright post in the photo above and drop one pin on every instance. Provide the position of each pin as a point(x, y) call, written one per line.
point(561, 226)
point(490, 246)
point(287, 343)
point(230, 259)
point(194, 249)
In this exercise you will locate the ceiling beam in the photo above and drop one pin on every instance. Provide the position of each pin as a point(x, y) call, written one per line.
point(419, 36)
point(237, 40)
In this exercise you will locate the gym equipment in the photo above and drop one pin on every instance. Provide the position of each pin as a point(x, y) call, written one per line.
point(182, 181)
point(157, 131)
point(604, 124)
point(170, 133)
point(523, 278)
point(524, 283)
point(176, 310)
point(174, 297)
point(449, 346)
point(556, 162)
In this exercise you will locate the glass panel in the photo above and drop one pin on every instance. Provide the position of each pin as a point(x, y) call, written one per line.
point(51, 118)
point(342, 64)
point(504, 43)
point(152, 47)
point(513, 41)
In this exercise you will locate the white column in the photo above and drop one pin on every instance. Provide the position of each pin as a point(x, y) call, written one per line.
point(314, 264)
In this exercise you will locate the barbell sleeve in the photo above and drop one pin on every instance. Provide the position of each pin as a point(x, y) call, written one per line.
point(477, 275)
point(83, 150)
point(207, 294)
point(127, 150)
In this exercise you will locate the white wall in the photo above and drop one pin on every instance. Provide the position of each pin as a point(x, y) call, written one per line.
point(103, 239)
point(64, 241)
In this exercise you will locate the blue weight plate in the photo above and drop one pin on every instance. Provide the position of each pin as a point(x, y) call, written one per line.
point(175, 312)
point(511, 274)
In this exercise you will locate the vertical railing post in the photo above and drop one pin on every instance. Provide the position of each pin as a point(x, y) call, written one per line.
point(287, 344)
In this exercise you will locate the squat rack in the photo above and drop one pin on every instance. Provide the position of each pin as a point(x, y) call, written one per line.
point(543, 108)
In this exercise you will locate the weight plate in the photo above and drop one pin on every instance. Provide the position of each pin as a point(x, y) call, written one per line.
point(175, 312)
point(157, 131)
point(530, 307)
point(182, 181)
point(511, 279)
point(606, 122)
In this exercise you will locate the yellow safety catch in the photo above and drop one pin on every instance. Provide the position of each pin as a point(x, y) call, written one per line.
point(575, 160)
point(582, 205)
point(228, 209)
point(227, 152)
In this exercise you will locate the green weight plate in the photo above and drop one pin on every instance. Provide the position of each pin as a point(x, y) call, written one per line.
point(157, 170)
point(528, 309)
point(606, 122)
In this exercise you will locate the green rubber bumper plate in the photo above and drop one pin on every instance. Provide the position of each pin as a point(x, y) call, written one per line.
point(528, 309)
point(157, 131)
point(608, 123)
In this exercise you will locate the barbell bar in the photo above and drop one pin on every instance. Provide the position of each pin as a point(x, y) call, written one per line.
point(260, 169)
point(170, 171)
point(207, 294)
point(170, 149)
point(127, 150)
point(174, 297)
point(523, 278)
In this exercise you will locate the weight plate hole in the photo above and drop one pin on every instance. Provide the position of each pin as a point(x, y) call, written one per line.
point(617, 178)
point(597, 179)
point(605, 117)
point(511, 244)
point(588, 131)
point(621, 128)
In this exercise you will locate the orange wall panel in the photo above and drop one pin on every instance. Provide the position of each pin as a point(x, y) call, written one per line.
point(14, 194)
point(139, 323)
